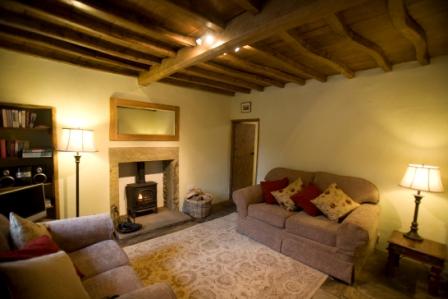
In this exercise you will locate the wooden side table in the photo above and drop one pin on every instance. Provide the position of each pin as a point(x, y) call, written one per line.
point(428, 252)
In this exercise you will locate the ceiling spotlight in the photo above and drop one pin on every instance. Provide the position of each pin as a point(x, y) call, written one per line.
point(224, 54)
point(237, 49)
point(209, 39)
point(198, 41)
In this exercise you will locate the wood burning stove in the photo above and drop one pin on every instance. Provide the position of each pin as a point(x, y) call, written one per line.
point(141, 197)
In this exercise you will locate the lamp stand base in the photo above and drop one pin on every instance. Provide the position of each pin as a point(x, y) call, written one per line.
point(413, 235)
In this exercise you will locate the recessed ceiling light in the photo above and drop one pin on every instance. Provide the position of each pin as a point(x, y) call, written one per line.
point(237, 49)
point(209, 39)
point(198, 41)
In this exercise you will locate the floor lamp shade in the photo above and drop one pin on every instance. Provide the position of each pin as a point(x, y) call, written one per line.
point(420, 177)
point(78, 141)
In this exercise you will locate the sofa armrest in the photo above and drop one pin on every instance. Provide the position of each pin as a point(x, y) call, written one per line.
point(154, 291)
point(246, 196)
point(358, 229)
point(76, 233)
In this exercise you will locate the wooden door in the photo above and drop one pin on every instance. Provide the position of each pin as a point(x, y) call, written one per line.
point(243, 164)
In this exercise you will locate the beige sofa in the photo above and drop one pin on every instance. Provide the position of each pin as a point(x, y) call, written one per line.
point(338, 249)
point(104, 265)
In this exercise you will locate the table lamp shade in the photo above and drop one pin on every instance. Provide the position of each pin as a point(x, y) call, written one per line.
point(422, 178)
point(77, 140)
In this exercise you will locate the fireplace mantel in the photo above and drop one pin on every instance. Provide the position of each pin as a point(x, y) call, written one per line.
point(170, 158)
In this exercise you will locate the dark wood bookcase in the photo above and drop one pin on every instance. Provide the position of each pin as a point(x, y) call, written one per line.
point(39, 134)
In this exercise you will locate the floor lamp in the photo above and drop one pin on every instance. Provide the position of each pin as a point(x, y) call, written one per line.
point(78, 141)
point(421, 178)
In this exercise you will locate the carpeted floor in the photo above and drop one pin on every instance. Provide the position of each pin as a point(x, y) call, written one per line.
point(211, 260)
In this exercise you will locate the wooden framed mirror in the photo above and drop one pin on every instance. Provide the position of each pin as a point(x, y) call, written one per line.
point(135, 120)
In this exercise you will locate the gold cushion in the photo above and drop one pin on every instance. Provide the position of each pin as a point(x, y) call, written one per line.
point(22, 230)
point(334, 203)
point(283, 196)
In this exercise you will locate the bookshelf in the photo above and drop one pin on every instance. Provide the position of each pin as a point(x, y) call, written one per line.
point(27, 143)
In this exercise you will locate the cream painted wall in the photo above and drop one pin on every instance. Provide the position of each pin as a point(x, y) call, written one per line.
point(371, 126)
point(81, 97)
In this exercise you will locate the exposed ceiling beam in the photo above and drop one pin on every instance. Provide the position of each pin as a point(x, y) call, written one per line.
point(209, 83)
point(261, 69)
point(246, 29)
point(410, 29)
point(79, 23)
point(55, 45)
point(71, 36)
point(286, 63)
point(177, 82)
point(260, 80)
point(198, 72)
point(252, 6)
point(94, 9)
point(28, 48)
point(370, 48)
point(304, 49)
point(179, 9)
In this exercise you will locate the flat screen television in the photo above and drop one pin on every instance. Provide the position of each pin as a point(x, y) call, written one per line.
point(27, 202)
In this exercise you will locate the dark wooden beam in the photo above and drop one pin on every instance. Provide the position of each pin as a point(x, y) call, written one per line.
point(286, 63)
point(198, 72)
point(252, 6)
point(370, 48)
point(246, 29)
point(209, 83)
point(180, 83)
point(409, 28)
point(180, 9)
point(68, 35)
point(102, 12)
point(261, 69)
point(55, 45)
point(257, 79)
point(304, 49)
point(86, 25)
point(44, 52)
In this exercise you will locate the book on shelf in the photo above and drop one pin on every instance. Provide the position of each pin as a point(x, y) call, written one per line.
point(37, 153)
point(13, 118)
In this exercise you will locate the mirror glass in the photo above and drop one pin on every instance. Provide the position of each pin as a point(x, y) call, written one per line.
point(135, 120)
point(141, 121)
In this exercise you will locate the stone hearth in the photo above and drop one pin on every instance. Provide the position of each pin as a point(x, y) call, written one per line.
point(170, 159)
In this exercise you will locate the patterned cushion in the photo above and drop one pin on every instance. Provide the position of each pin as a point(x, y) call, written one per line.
point(334, 203)
point(283, 196)
point(22, 230)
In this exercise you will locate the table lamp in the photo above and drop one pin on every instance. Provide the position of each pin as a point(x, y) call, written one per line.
point(78, 141)
point(420, 177)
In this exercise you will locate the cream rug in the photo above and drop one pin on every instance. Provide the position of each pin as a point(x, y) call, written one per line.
point(211, 260)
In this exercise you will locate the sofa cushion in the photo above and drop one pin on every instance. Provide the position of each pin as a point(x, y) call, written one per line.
point(23, 230)
point(360, 190)
point(46, 277)
point(4, 233)
point(318, 229)
point(116, 281)
point(279, 172)
point(283, 196)
point(268, 186)
point(272, 214)
point(303, 198)
point(334, 203)
point(37, 247)
point(98, 258)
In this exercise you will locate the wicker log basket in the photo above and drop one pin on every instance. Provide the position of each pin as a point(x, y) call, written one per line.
point(197, 204)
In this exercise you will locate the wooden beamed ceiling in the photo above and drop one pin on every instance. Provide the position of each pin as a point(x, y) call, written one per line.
point(279, 41)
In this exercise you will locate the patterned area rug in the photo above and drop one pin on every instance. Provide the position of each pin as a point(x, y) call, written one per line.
point(212, 260)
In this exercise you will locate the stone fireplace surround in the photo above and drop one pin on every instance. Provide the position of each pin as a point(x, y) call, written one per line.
point(170, 159)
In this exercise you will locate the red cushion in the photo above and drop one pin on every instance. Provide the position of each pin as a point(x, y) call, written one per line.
point(268, 186)
point(40, 246)
point(303, 199)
